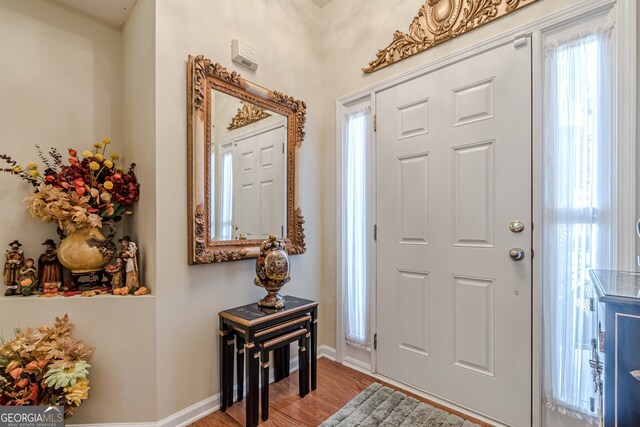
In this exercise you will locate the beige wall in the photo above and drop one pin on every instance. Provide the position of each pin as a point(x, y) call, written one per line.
point(286, 34)
point(61, 85)
point(139, 119)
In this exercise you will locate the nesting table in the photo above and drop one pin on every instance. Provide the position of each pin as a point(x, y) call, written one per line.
point(256, 331)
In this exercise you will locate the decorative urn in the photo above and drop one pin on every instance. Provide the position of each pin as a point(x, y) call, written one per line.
point(272, 270)
point(86, 250)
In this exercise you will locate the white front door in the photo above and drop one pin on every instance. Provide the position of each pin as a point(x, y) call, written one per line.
point(259, 207)
point(453, 171)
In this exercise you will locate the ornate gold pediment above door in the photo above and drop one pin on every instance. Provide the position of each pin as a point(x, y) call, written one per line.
point(439, 21)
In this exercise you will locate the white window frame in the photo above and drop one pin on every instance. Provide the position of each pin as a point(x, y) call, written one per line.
point(366, 361)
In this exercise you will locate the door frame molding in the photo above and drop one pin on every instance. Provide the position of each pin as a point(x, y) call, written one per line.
point(624, 13)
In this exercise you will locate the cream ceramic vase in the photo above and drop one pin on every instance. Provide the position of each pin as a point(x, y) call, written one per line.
point(86, 250)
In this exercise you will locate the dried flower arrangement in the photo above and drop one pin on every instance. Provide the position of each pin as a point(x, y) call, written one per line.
point(45, 366)
point(82, 193)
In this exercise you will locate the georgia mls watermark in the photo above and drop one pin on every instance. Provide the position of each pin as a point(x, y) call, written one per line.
point(31, 416)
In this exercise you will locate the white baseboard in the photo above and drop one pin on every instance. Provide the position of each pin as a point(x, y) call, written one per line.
point(207, 406)
point(356, 364)
point(328, 352)
point(193, 413)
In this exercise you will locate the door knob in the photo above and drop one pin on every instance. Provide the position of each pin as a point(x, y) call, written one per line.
point(516, 254)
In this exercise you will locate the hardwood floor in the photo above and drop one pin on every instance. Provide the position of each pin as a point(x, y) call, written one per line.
point(337, 385)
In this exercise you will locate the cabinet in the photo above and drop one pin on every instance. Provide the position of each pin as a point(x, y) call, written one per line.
point(619, 336)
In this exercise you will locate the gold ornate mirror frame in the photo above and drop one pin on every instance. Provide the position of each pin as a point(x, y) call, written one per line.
point(203, 75)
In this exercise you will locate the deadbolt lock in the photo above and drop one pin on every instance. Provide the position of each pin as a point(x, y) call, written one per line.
point(516, 226)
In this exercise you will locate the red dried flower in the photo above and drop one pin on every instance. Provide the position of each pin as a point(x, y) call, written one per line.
point(109, 202)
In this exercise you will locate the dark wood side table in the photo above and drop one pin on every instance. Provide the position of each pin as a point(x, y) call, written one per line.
point(619, 299)
point(253, 326)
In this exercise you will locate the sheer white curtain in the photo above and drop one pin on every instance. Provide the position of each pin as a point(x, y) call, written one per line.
point(212, 206)
point(578, 204)
point(355, 226)
point(226, 199)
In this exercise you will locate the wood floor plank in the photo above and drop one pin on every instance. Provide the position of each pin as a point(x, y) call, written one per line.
point(337, 385)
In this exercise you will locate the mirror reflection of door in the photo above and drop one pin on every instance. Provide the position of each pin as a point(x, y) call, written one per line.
point(247, 174)
point(259, 191)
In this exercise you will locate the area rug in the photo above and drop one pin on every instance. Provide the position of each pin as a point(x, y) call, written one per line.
point(382, 406)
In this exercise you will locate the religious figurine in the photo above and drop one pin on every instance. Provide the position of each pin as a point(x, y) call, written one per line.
point(128, 252)
point(127, 267)
point(116, 272)
point(49, 268)
point(27, 277)
point(14, 260)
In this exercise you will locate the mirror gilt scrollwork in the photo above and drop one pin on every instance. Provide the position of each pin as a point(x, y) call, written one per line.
point(244, 146)
point(247, 114)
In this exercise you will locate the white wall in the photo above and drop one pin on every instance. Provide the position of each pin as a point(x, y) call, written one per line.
point(286, 34)
point(61, 85)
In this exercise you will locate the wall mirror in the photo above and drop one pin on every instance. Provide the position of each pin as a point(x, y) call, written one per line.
point(243, 174)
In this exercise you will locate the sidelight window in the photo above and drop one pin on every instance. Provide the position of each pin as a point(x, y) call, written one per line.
point(579, 210)
point(356, 227)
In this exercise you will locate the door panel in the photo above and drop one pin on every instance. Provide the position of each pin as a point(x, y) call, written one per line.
point(473, 324)
point(473, 195)
point(414, 200)
point(453, 170)
point(414, 306)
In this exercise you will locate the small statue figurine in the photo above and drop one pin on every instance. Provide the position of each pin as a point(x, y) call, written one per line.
point(128, 252)
point(27, 277)
point(126, 260)
point(14, 259)
point(49, 268)
point(116, 272)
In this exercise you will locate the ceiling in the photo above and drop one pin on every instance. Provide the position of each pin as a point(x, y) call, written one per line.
point(114, 12)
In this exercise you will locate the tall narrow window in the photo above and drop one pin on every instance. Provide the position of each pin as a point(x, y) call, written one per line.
point(355, 226)
point(579, 199)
